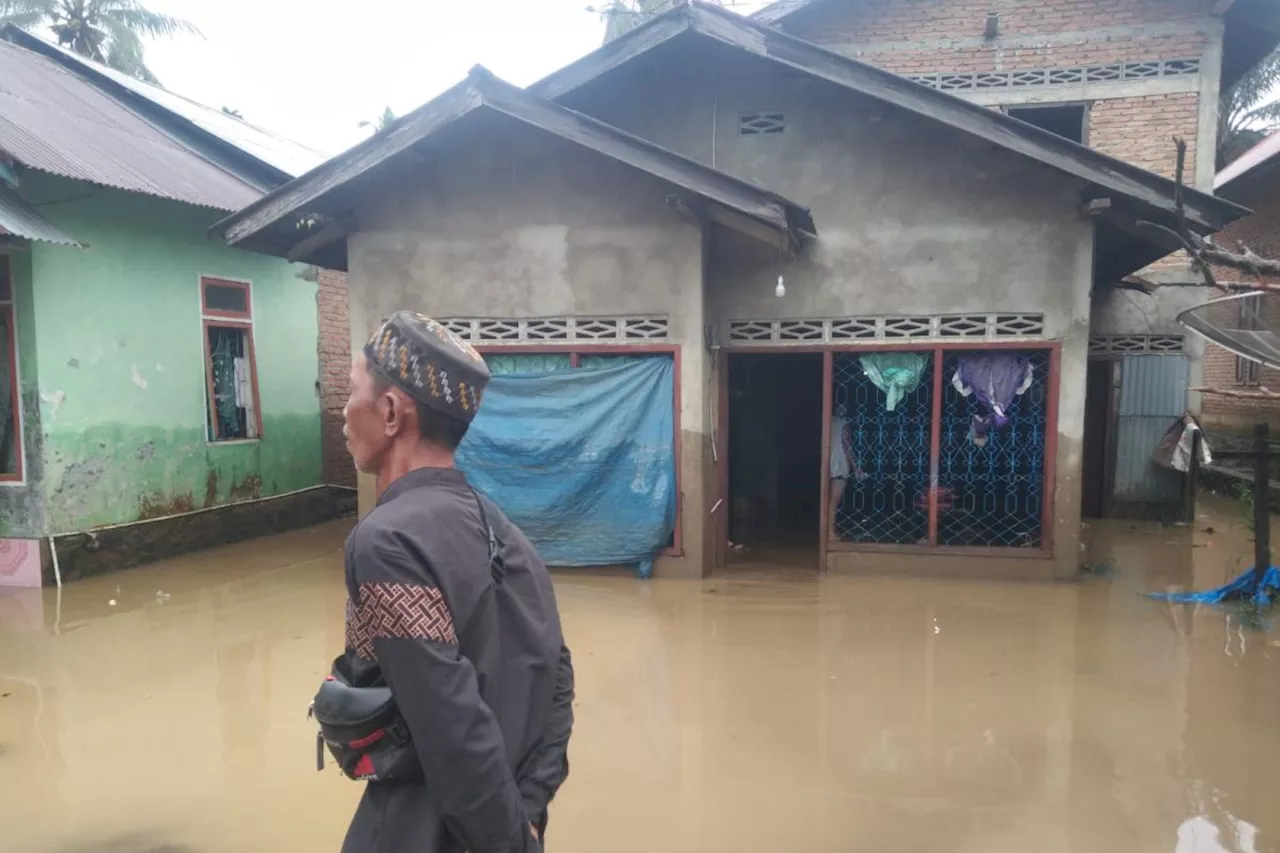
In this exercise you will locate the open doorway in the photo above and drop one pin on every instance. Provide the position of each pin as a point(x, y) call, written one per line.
point(1099, 419)
point(775, 456)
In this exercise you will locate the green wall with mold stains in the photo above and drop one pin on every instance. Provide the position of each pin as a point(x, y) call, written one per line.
point(119, 343)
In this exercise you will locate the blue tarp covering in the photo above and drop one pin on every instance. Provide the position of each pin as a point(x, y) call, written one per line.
point(581, 460)
point(1258, 588)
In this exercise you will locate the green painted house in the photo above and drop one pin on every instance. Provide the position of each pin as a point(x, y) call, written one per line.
point(150, 374)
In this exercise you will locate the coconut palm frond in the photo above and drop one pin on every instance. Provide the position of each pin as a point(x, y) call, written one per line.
point(109, 31)
point(1245, 115)
point(144, 22)
point(124, 52)
point(1268, 114)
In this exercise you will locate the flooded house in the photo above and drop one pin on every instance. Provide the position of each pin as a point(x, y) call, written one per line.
point(875, 296)
point(157, 387)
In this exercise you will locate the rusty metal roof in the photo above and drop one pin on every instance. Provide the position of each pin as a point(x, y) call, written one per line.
point(289, 157)
point(19, 219)
point(54, 121)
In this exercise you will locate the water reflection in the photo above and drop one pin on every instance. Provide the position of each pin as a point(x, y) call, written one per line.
point(764, 710)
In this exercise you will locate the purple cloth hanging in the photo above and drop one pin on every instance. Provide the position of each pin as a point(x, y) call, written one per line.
point(995, 379)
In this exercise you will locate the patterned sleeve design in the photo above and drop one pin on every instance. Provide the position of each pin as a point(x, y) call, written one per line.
point(406, 611)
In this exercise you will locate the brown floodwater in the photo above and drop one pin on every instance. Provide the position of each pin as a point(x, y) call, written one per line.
point(765, 710)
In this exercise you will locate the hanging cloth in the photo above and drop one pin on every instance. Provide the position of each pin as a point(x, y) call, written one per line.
point(995, 379)
point(897, 374)
point(1174, 450)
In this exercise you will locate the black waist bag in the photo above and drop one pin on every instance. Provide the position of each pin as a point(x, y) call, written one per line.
point(363, 730)
point(362, 727)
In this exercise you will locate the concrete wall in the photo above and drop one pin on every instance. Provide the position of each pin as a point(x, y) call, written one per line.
point(912, 219)
point(121, 363)
point(513, 223)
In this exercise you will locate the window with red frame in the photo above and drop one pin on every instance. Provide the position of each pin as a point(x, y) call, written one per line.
point(231, 370)
point(10, 393)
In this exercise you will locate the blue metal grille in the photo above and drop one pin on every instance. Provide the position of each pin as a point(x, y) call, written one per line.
point(993, 495)
point(885, 497)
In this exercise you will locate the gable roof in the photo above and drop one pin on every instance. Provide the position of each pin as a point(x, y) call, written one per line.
point(1150, 192)
point(728, 197)
point(287, 157)
point(54, 121)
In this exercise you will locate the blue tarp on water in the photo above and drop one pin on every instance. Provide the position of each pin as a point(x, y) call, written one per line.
point(581, 460)
point(1258, 588)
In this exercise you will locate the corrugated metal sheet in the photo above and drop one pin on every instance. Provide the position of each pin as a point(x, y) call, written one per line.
point(286, 155)
point(18, 218)
point(1153, 385)
point(53, 121)
point(1153, 394)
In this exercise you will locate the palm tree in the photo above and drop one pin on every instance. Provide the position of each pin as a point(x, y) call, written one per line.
point(108, 31)
point(1249, 112)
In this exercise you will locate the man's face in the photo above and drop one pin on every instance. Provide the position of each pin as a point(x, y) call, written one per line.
point(369, 419)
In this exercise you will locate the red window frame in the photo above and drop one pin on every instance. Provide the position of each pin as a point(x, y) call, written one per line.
point(239, 320)
point(676, 549)
point(15, 390)
point(243, 286)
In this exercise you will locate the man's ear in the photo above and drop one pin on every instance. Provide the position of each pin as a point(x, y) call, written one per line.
point(399, 413)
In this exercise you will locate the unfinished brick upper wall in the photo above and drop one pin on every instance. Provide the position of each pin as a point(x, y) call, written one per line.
point(1046, 33)
point(915, 37)
point(1261, 233)
point(335, 374)
point(1141, 130)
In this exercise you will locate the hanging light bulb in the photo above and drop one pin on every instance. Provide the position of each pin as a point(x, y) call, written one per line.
point(781, 290)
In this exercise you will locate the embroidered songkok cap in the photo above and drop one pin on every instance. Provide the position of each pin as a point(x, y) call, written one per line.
point(429, 363)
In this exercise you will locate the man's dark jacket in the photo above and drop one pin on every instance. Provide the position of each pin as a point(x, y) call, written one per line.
point(476, 662)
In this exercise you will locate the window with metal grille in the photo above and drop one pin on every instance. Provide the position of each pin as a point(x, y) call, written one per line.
point(990, 486)
point(231, 370)
point(759, 123)
point(1249, 319)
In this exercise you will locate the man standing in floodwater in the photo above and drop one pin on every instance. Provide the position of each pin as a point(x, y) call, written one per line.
point(452, 609)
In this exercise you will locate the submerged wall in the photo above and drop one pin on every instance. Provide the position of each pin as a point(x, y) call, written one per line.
point(913, 218)
point(122, 371)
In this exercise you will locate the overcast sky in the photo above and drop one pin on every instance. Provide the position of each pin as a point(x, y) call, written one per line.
point(312, 70)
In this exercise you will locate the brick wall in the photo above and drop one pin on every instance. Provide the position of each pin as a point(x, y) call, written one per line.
point(335, 368)
point(949, 33)
point(930, 36)
point(1261, 233)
